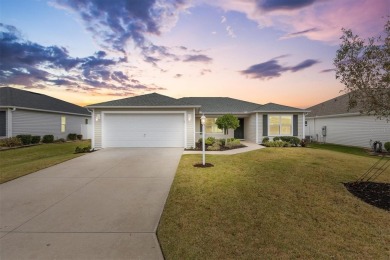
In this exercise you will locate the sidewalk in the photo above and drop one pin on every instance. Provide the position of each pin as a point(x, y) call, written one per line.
point(250, 147)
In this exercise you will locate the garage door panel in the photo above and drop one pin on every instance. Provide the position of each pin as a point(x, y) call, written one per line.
point(143, 130)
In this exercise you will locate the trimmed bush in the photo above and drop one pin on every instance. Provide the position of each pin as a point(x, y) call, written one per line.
point(80, 137)
point(86, 149)
point(276, 144)
point(26, 139)
point(387, 146)
point(276, 138)
point(222, 141)
point(265, 139)
point(10, 142)
point(48, 139)
point(233, 143)
point(72, 137)
point(61, 140)
point(215, 147)
point(210, 140)
point(35, 139)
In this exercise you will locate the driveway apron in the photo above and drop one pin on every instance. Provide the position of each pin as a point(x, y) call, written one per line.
point(104, 205)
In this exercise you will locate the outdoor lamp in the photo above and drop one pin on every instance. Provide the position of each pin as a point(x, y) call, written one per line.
point(203, 120)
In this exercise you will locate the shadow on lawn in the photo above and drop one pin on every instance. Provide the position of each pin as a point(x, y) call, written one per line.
point(374, 193)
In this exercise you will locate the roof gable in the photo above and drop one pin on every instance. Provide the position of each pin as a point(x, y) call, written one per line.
point(272, 107)
point(334, 106)
point(12, 97)
point(221, 104)
point(147, 100)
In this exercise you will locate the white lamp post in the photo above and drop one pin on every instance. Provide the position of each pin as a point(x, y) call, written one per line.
point(203, 122)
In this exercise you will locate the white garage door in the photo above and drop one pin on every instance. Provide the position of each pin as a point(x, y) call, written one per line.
point(143, 130)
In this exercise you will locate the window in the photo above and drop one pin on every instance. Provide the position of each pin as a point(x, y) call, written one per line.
point(280, 125)
point(63, 124)
point(86, 121)
point(305, 123)
point(211, 127)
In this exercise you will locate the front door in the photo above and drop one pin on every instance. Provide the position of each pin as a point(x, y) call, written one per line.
point(239, 132)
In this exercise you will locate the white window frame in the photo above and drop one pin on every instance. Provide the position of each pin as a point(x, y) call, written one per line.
point(280, 124)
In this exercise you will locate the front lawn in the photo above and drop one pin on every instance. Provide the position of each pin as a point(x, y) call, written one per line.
point(270, 204)
point(340, 148)
point(15, 163)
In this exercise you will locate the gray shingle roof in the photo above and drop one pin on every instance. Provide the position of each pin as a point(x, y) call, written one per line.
point(12, 97)
point(272, 107)
point(221, 104)
point(148, 100)
point(334, 106)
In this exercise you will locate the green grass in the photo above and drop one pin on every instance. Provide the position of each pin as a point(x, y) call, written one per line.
point(274, 203)
point(340, 148)
point(15, 163)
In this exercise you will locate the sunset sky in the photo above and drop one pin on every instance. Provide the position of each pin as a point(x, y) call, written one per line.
point(90, 51)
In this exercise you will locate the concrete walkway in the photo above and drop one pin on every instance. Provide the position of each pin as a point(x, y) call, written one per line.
point(250, 147)
point(104, 205)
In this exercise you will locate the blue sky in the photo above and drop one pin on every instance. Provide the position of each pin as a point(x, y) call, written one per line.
point(90, 51)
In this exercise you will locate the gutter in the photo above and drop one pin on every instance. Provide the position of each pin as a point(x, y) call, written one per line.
point(44, 110)
point(336, 115)
point(114, 107)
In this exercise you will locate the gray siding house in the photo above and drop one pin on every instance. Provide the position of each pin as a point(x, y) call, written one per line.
point(332, 122)
point(25, 112)
point(155, 120)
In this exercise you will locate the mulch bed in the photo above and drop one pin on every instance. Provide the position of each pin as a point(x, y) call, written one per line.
point(374, 193)
point(223, 148)
point(206, 165)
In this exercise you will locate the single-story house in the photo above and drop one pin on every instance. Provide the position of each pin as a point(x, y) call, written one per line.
point(155, 120)
point(25, 112)
point(332, 122)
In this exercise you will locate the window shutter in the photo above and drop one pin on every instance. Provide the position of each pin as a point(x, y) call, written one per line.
point(295, 125)
point(265, 125)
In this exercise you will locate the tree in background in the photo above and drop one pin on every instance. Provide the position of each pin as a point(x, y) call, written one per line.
point(227, 122)
point(364, 69)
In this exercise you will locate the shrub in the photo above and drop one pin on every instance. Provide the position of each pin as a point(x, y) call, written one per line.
point(60, 140)
point(210, 140)
point(35, 139)
point(10, 142)
point(276, 138)
point(233, 143)
point(86, 149)
point(222, 141)
point(265, 139)
point(295, 141)
point(26, 139)
point(215, 147)
point(80, 137)
point(276, 144)
point(48, 139)
point(72, 137)
point(387, 146)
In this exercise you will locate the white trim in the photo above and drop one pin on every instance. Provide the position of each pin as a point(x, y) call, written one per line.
point(194, 124)
point(44, 110)
point(338, 115)
point(143, 112)
point(93, 129)
point(257, 127)
point(303, 126)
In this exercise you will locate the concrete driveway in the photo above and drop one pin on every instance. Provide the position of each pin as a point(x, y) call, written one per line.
point(104, 205)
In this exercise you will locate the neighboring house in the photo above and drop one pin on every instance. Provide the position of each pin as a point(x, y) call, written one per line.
point(155, 120)
point(25, 112)
point(343, 126)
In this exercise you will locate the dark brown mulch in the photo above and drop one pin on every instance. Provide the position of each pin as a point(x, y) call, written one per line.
point(206, 165)
point(374, 193)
